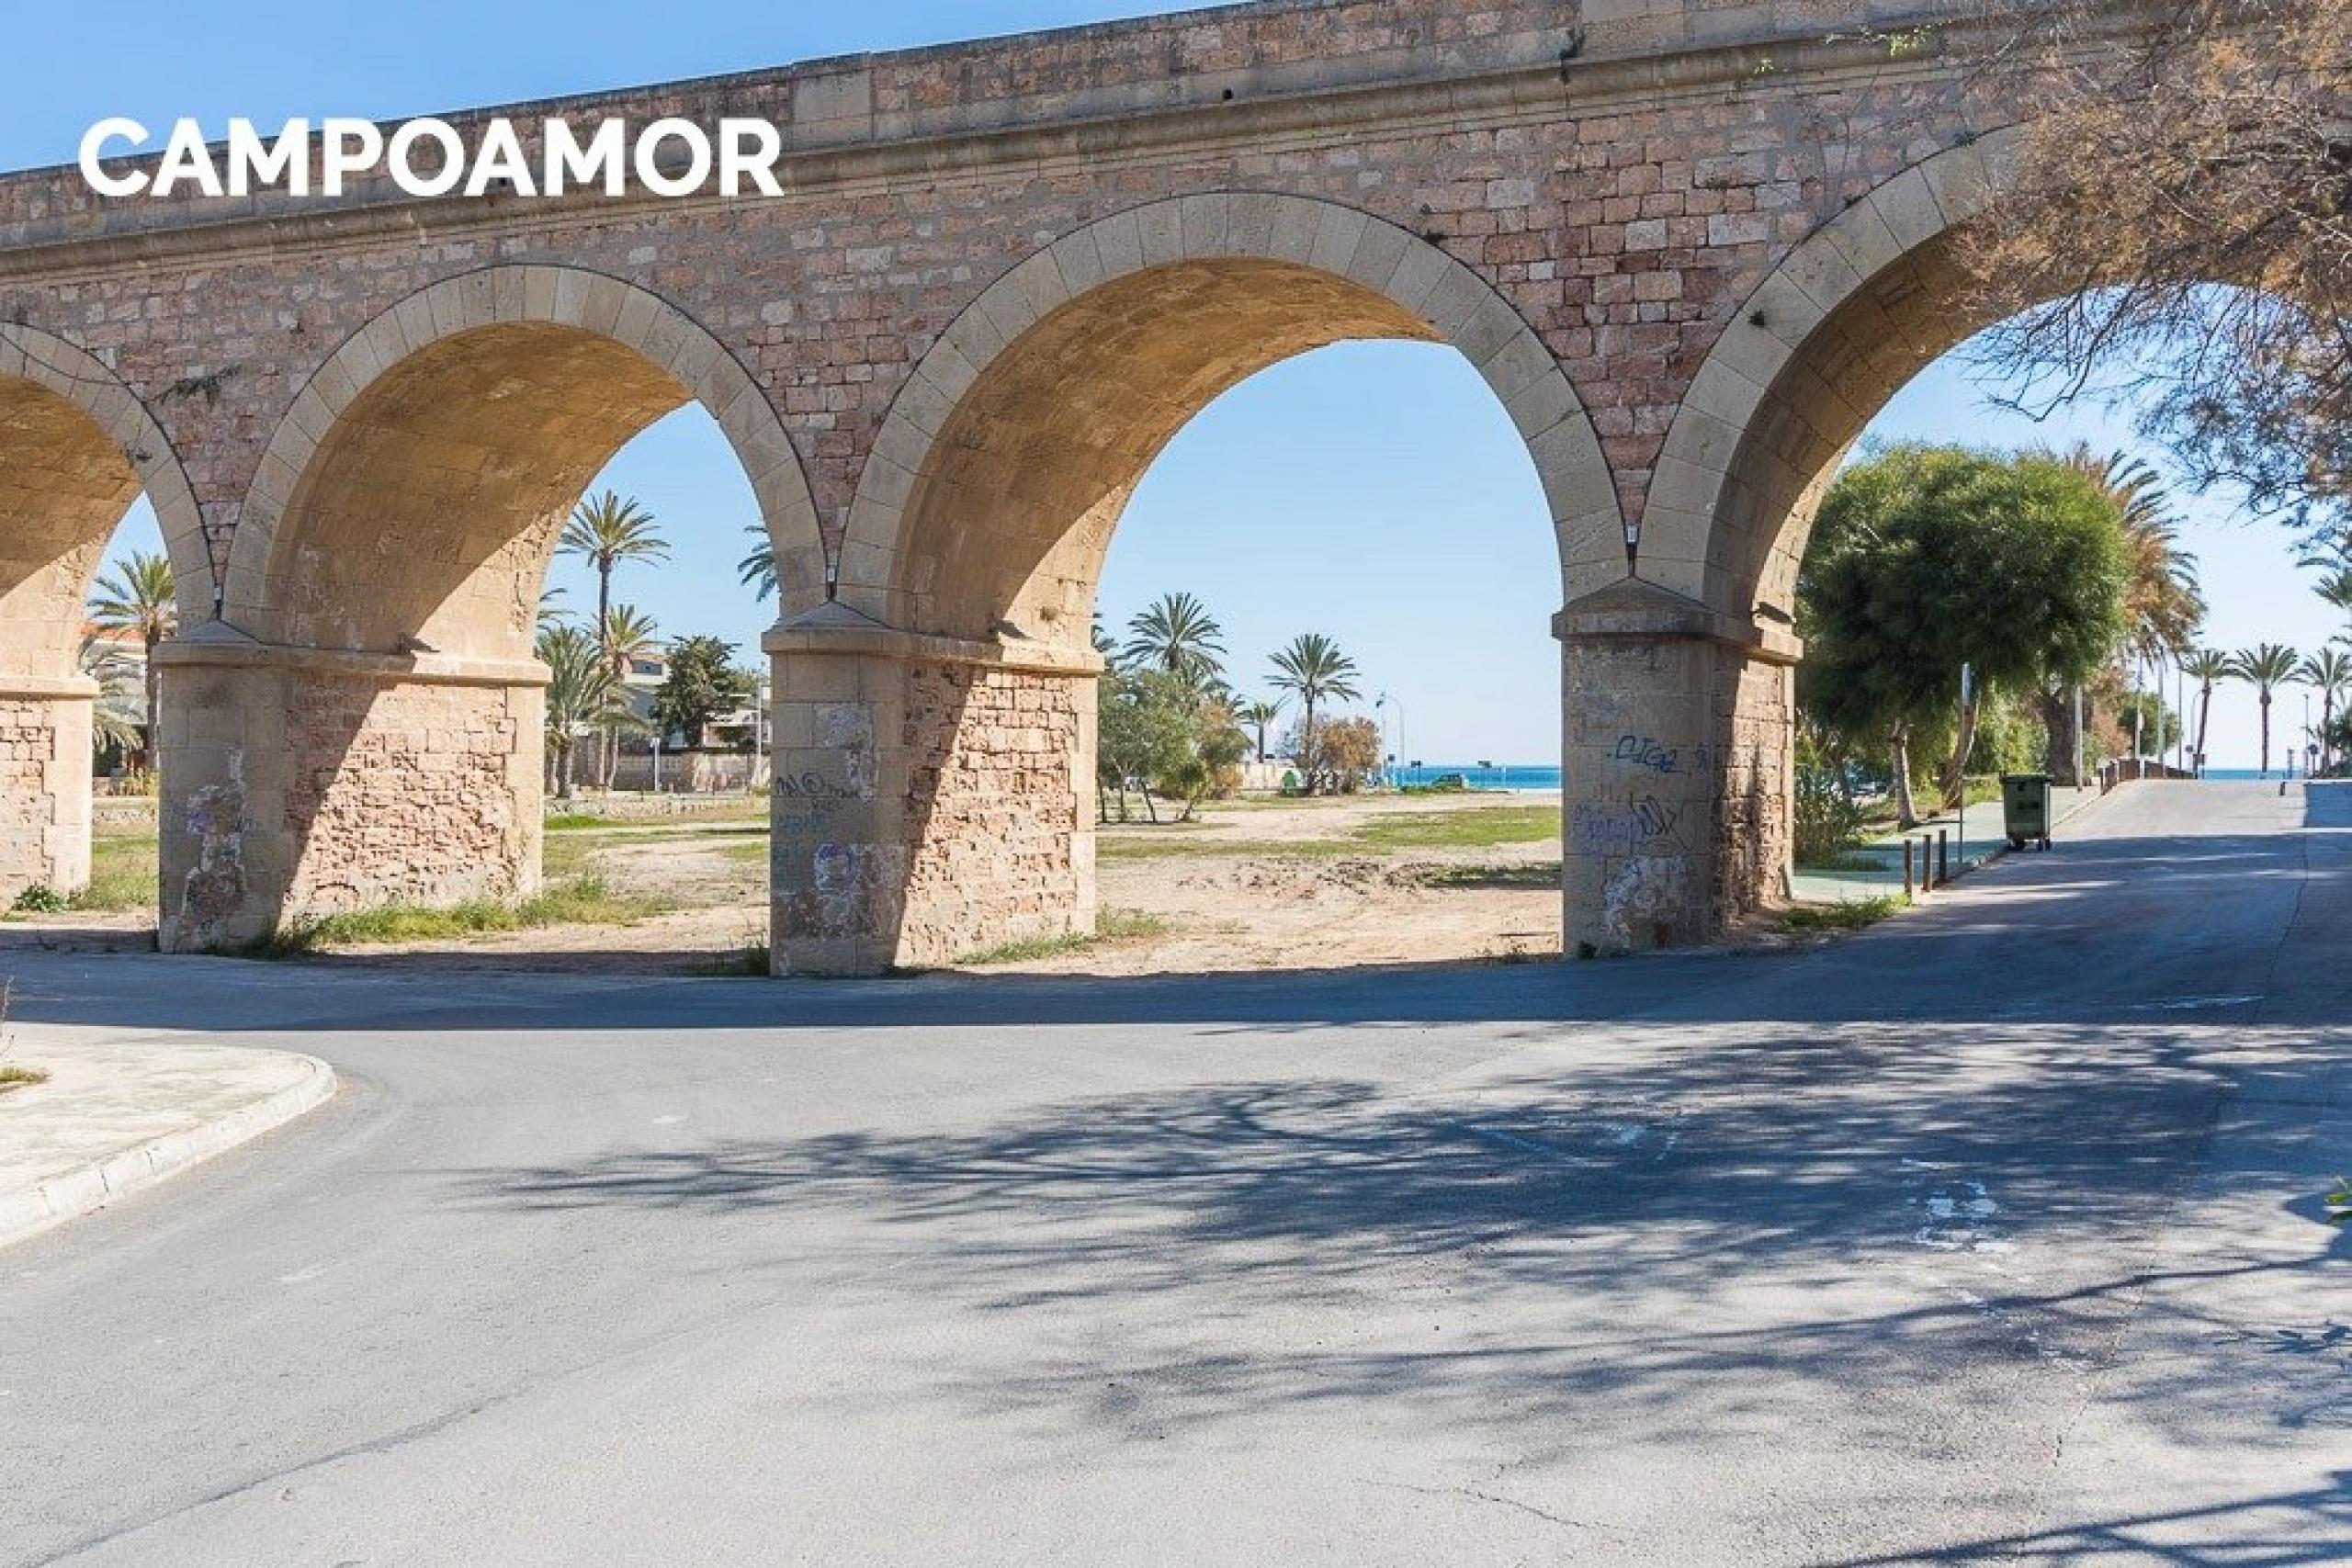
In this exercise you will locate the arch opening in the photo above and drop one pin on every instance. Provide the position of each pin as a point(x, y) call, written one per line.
point(950, 693)
point(77, 451)
point(1841, 331)
point(370, 723)
point(1009, 521)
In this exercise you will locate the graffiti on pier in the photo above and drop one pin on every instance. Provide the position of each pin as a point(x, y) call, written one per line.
point(1643, 824)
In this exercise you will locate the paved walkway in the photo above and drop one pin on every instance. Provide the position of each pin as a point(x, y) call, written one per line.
point(119, 1115)
point(1884, 872)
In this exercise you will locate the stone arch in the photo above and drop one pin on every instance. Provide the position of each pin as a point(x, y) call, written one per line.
point(1865, 303)
point(77, 449)
point(991, 493)
point(364, 725)
point(392, 424)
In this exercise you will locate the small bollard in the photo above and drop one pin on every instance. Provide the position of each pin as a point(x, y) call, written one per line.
point(1943, 855)
point(1926, 864)
point(1906, 868)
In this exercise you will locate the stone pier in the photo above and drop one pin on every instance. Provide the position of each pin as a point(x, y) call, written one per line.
point(309, 782)
point(933, 796)
point(44, 784)
point(1676, 780)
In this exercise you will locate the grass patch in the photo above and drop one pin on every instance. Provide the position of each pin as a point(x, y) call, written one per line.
point(563, 858)
point(1478, 828)
point(1818, 918)
point(122, 874)
point(1111, 927)
point(578, 900)
point(13, 1076)
point(581, 822)
point(122, 879)
point(1844, 860)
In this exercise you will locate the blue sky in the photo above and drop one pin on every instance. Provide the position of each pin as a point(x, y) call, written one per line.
point(1372, 492)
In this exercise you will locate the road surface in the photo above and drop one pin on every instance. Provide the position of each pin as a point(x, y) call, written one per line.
point(1994, 1234)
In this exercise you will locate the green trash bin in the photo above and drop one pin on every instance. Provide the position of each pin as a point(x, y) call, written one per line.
point(2025, 808)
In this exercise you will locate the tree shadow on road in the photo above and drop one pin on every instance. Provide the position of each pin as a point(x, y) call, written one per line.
point(1694, 1235)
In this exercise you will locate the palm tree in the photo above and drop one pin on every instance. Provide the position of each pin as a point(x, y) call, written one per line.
point(1313, 669)
point(2265, 666)
point(757, 570)
point(630, 635)
point(604, 531)
point(2336, 588)
point(2163, 603)
point(2329, 672)
point(1259, 715)
point(582, 694)
point(550, 612)
point(2206, 666)
point(114, 717)
point(138, 597)
point(1176, 633)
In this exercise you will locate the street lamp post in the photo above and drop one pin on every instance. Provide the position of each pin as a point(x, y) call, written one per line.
point(1387, 701)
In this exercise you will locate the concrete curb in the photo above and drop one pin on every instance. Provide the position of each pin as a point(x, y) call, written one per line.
point(30, 1211)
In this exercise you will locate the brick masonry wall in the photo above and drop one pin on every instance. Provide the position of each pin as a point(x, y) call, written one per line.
point(926, 807)
point(1624, 222)
point(1755, 828)
point(44, 794)
point(998, 789)
point(296, 791)
point(413, 794)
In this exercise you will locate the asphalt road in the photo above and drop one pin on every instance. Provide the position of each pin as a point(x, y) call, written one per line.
point(1991, 1234)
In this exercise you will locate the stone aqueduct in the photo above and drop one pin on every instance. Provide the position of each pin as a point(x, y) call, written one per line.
point(1691, 246)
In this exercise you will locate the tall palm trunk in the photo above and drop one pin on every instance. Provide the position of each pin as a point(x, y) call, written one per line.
point(1307, 744)
point(609, 748)
point(2266, 732)
point(153, 742)
point(2204, 716)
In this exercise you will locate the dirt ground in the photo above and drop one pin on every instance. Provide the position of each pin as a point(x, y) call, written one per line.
point(1255, 884)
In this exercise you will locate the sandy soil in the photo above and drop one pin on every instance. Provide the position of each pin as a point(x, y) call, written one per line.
point(1256, 885)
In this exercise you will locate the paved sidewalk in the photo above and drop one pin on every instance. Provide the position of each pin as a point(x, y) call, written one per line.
point(1883, 875)
point(116, 1116)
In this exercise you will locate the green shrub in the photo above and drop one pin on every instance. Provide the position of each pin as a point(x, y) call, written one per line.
point(1828, 825)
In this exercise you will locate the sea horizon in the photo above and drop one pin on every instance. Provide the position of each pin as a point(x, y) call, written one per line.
point(1536, 778)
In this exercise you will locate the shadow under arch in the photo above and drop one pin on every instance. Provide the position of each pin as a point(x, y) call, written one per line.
point(368, 715)
point(941, 710)
point(77, 447)
point(493, 399)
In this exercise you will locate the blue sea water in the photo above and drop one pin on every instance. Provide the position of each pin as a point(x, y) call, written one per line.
point(1482, 775)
